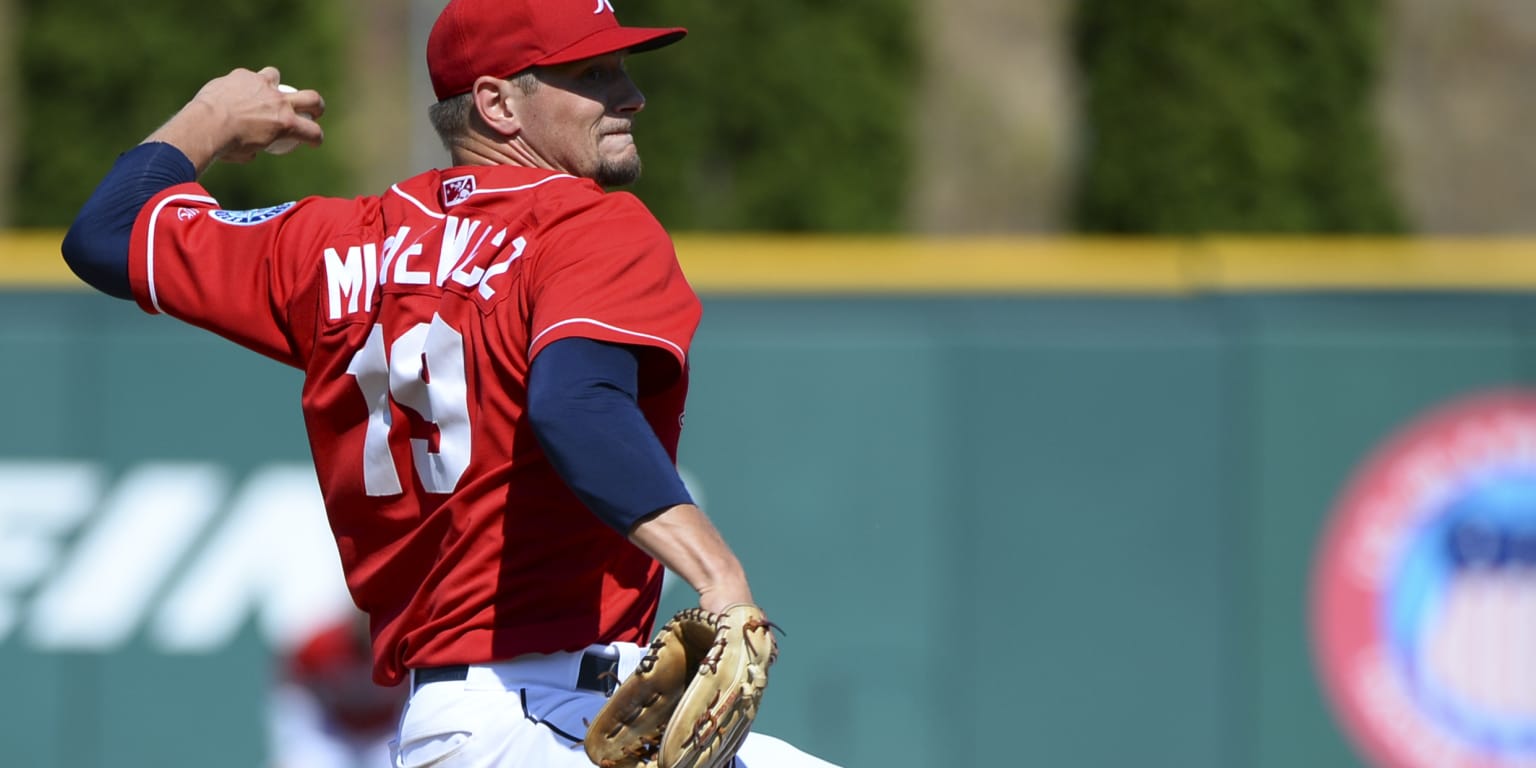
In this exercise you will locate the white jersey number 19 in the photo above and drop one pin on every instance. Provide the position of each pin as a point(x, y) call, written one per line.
point(423, 371)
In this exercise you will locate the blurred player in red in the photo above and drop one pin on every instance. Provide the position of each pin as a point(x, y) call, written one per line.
point(495, 357)
point(326, 711)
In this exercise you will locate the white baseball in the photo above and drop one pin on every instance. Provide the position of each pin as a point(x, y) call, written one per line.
point(284, 146)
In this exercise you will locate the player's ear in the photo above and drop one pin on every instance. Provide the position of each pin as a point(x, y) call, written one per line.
point(496, 106)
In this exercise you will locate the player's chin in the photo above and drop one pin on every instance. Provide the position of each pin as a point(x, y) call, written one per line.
point(618, 171)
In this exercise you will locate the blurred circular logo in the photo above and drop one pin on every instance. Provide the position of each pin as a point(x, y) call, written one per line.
point(1424, 592)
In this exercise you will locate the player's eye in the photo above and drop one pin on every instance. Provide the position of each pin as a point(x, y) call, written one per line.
point(603, 72)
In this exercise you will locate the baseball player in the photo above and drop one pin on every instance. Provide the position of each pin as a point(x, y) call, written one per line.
point(326, 711)
point(495, 361)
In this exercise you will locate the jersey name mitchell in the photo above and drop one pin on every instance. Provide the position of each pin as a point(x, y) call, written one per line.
point(353, 275)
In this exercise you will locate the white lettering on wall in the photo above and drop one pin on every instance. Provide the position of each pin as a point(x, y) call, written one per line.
point(171, 554)
point(40, 503)
point(152, 554)
point(98, 600)
point(273, 556)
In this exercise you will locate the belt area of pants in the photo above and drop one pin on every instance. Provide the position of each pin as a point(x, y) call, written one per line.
point(596, 672)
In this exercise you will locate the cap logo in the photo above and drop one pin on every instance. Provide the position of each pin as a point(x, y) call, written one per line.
point(603, 5)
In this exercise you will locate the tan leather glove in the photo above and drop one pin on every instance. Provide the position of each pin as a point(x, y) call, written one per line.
point(692, 699)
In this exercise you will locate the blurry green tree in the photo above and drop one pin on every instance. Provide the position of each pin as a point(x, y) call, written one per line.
point(791, 115)
point(99, 75)
point(1213, 116)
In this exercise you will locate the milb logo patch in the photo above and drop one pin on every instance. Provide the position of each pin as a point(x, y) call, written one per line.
point(1424, 592)
point(251, 217)
point(457, 190)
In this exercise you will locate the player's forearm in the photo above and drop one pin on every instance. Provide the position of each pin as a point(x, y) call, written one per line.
point(685, 540)
point(198, 130)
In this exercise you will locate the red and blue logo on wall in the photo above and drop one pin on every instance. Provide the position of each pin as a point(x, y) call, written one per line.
point(1424, 592)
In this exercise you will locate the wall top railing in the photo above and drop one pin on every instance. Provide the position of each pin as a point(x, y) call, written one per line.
point(1008, 265)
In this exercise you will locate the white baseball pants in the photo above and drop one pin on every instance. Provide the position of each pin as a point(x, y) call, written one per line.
point(527, 713)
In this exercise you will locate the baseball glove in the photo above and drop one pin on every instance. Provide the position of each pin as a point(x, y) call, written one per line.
point(692, 699)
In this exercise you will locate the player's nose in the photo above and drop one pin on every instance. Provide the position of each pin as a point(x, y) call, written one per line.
point(627, 98)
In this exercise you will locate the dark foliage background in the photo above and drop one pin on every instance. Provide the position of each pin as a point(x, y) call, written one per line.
point(1207, 115)
point(795, 115)
point(778, 114)
point(100, 75)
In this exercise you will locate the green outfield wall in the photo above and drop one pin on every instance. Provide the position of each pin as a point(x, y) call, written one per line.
point(1013, 502)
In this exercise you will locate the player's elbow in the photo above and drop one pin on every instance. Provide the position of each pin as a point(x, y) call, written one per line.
point(96, 247)
point(100, 260)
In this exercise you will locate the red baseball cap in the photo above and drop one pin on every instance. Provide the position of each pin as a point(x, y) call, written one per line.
point(501, 38)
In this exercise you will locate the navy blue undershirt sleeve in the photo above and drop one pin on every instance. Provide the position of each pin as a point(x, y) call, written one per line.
point(582, 405)
point(96, 246)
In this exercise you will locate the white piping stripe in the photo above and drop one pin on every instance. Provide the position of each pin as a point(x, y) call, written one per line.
point(601, 324)
point(489, 190)
point(149, 252)
point(397, 190)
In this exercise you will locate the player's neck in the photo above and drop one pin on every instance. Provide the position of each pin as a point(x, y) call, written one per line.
point(477, 150)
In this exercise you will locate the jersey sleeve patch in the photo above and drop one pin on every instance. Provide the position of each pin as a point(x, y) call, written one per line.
point(230, 272)
point(252, 217)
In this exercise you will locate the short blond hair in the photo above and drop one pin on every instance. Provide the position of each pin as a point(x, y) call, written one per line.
point(451, 116)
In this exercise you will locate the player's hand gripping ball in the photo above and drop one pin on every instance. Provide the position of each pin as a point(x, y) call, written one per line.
point(691, 701)
point(284, 146)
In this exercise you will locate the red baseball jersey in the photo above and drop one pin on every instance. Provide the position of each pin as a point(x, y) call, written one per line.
point(414, 316)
